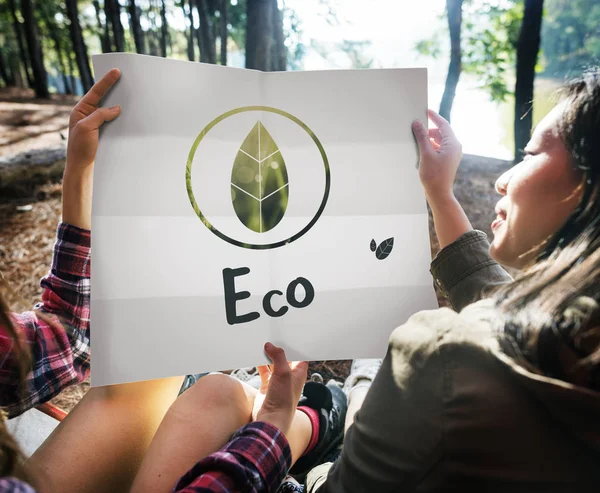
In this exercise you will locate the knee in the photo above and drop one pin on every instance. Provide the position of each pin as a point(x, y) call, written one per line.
point(218, 390)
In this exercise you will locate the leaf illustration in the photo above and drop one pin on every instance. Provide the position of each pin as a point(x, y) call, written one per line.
point(373, 245)
point(259, 181)
point(384, 248)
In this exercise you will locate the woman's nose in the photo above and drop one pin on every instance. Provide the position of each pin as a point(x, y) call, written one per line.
point(502, 181)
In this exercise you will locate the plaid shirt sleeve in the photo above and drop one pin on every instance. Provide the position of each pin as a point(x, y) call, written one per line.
point(255, 460)
point(57, 333)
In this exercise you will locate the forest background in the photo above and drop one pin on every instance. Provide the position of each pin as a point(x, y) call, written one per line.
point(494, 67)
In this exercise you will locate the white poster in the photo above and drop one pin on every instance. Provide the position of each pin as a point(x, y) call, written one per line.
point(233, 207)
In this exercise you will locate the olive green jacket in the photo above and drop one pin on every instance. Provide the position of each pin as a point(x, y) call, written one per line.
point(449, 411)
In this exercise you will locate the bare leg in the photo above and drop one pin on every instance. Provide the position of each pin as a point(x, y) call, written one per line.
point(101, 443)
point(198, 424)
point(357, 397)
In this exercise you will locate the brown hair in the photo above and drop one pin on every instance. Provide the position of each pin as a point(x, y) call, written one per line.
point(11, 458)
point(556, 301)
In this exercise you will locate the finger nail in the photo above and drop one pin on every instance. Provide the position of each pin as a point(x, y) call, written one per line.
point(417, 125)
point(114, 108)
point(268, 346)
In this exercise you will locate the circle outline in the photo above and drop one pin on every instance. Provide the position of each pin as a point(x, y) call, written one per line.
point(206, 222)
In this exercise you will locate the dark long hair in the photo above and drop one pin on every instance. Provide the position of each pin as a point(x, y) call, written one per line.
point(11, 459)
point(556, 301)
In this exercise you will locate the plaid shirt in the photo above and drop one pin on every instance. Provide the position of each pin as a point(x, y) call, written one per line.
point(57, 333)
point(255, 460)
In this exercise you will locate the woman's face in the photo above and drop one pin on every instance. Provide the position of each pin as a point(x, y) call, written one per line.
point(539, 195)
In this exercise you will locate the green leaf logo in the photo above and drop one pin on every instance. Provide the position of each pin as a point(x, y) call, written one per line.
point(259, 181)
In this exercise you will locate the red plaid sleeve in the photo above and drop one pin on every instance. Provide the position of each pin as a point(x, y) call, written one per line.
point(255, 460)
point(57, 333)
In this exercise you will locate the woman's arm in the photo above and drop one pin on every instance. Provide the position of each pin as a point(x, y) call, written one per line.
point(57, 332)
point(440, 155)
point(463, 269)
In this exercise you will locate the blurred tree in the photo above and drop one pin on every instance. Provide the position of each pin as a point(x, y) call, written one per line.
point(103, 32)
point(34, 47)
point(19, 37)
point(164, 29)
point(454, 10)
point(527, 55)
point(5, 74)
point(355, 50)
point(488, 41)
point(112, 8)
point(265, 39)
point(189, 15)
point(79, 46)
point(570, 36)
point(48, 12)
point(136, 28)
point(208, 48)
point(279, 56)
point(223, 18)
point(259, 29)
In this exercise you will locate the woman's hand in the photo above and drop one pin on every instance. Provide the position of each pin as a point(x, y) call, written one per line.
point(86, 119)
point(441, 153)
point(280, 389)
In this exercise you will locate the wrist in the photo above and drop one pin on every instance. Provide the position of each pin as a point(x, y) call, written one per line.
point(438, 200)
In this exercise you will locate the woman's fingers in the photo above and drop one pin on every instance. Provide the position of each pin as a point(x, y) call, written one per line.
point(264, 373)
point(422, 137)
point(92, 98)
point(436, 135)
point(100, 88)
point(441, 123)
point(277, 356)
point(98, 117)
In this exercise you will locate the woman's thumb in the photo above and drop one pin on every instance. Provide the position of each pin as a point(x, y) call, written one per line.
point(421, 136)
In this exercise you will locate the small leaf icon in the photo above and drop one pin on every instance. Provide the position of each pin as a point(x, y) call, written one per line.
point(373, 245)
point(259, 181)
point(384, 248)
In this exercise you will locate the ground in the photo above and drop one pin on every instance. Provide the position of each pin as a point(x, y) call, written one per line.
point(27, 226)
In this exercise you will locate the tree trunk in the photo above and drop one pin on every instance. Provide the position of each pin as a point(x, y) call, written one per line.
point(528, 48)
point(103, 33)
point(259, 29)
point(5, 73)
point(34, 47)
point(164, 29)
point(223, 30)
point(79, 47)
point(136, 29)
point(454, 23)
point(71, 73)
point(112, 8)
point(55, 36)
point(191, 53)
point(208, 51)
point(279, 57)
point(19, 37)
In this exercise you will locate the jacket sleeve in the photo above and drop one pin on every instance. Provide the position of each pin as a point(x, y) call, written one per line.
point(56, 333)
point(255, 460)
point(466, 272)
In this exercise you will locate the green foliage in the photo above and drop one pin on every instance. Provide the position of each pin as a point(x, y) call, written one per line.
point(356, 52)
point(490, 30)
point(570, 36)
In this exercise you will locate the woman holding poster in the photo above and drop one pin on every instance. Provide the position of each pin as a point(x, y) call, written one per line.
point(502, 394)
